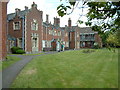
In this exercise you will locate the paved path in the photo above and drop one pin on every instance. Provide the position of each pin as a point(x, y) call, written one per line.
point(9, 74)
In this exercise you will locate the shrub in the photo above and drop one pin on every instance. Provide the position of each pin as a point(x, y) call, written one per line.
point(14, 49)
point(20, 51)
point(96, 46)
point(17, 50)
point(88, 51)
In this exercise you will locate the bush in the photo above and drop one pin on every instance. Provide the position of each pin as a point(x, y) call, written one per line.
point(96, 46)
point(88, 51)
point(17, 50)
point(20, 51)
point(14, 49)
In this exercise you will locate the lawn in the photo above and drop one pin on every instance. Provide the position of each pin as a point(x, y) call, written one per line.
point(71, 69)
point(9, 61)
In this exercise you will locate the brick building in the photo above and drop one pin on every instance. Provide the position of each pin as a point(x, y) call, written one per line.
point(26, 27)
point(3, 28)
point(27, 30)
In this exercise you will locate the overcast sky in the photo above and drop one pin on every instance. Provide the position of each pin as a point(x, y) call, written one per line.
point(48, 7)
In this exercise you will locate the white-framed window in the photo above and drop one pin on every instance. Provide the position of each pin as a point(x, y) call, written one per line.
point(48, 43)
point(50, 32)
point(67, 44)
point(34, 37)
point(17, 25)
point(34, 42)
point(55, 33)
point(77, 34)
point(66, 34)
point(78, 44)
point(19, 42)
point(12, 43)
point(34, 25)
point(59, 33)
point(43, 43)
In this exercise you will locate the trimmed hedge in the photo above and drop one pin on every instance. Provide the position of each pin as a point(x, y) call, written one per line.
point(17, 50)
point(20, 51)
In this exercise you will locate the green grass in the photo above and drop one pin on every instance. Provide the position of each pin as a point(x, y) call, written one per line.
point(10, 60)
point(71, 69)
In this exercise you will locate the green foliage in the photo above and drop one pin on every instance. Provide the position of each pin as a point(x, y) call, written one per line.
point(113, 39)
point(61, 10)
point(14, 49)
point(80, 22)
point(104, 38)
point(96, 46)
point(17, 50)
point(72, 3)
point(88, 23)
point(102, 11)
point(102, 17)
point(88, 51)
point(20, 51)
point(99, 11)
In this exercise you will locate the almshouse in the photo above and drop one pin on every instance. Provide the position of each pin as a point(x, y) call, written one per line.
point(27, 30)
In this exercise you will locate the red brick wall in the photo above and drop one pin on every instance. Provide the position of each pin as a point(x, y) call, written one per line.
point(72, 40)
point(98, 39)
point(3, 29)
point(11, 31)
point(46, 34)
point(77, 38)
point(33, 14)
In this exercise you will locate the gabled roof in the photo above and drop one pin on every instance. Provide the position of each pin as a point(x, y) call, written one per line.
point(86, 30)
point(50, 25)
point(20, 14)
point(69, 29)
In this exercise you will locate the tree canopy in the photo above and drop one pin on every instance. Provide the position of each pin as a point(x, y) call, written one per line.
point(103, 17)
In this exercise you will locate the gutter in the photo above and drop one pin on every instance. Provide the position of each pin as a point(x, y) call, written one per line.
point(23, 33)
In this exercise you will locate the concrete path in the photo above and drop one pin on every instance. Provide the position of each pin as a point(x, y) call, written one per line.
point(9, 74)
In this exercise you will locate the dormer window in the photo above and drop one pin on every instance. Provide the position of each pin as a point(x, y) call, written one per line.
point(16, 25)
point(34, 25)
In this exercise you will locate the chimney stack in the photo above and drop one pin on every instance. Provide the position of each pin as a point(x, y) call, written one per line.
point(69, 22)
point(26, 8)
point(17, 11)
point(47, 18)
point(57, 21)
point(34, 5)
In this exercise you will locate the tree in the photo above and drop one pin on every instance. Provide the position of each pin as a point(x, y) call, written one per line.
point(113, 40)
point(103, 17)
